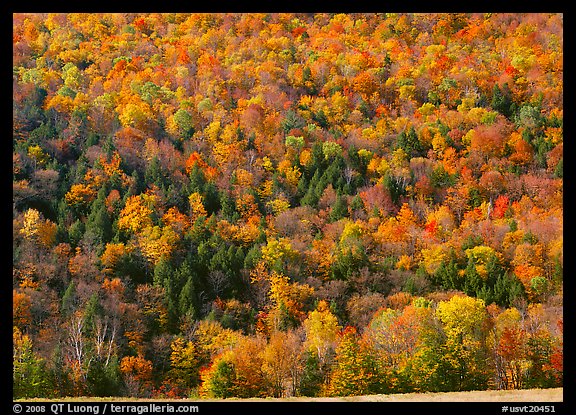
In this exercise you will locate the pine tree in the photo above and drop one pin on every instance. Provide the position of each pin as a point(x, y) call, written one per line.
point(29, 375)
point(339, 209)
point(502, 100)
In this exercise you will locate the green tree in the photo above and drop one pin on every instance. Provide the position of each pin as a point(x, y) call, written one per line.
point(292, 121)
point(447, 275)
point(339, 209)
point(184, 124)
point(502, 100)
point(218, 380)
point(104, 378)
point(507, 289)
point(409, 142)
point(29, 378)
point(312, 375)
point(99, 223)
point(187, 299)
point(154, 173)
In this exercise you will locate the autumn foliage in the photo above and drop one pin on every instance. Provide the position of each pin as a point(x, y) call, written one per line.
point(276, 204)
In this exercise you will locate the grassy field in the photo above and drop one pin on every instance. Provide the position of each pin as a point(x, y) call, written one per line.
point(524, 395)
point(527, 395)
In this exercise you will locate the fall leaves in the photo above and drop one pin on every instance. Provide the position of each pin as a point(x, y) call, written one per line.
point(456, 344)
point(286, 204)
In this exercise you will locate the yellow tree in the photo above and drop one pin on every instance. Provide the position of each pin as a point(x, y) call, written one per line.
point(112, 254)
point(277, 251)
point(287, 302)
point(184, 363)
point(237, 372)
point(157, 242)
point(481, 256)
point(136, 214)
point(432, 258)
point(196, 206)
point(35, 228)
point(282, 363)
point(464, 320)
point(134, 113)
point(80, 195)
point(322, 330)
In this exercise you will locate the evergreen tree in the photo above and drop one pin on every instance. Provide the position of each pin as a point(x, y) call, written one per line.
point(502, 100)
point(181, 288)
point(312, 377)
point(29, 375)
point(339, 209)
point(69, 300)
point(187, 299)
point(292, 121)
point(154, 173)
point(409, 142)
point(99, 222)
point(163, 271)
point(447, 275)
point(472, 280)
point(104, 379)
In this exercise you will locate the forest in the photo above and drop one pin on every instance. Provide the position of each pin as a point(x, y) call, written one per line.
point(218, 205)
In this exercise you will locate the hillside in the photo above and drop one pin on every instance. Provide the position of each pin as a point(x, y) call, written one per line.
point(260, 205)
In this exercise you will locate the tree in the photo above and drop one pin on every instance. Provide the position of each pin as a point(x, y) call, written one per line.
point(37, 229)
point(21, 314)
point(502, 100)
point(292, 121)
point(187, 300)
point(196, 206)
point(395, 336)
point(181, 124)
point(184, 364)
point(104, 378)
point(218, 378)
point(157, 242)
point(511, 350)
point(408, 141)
point(322, 329)
point(80, 196)
point(99, 223)
point(237, 372)
point(29, 370)
point(354, 371)
point(339, 209)
point(136, 214)
point(282, 364)
point(463, 319)
point(288, 300)
point(137, 375)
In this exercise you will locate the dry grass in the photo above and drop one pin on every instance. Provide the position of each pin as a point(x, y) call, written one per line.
point(523, 395)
